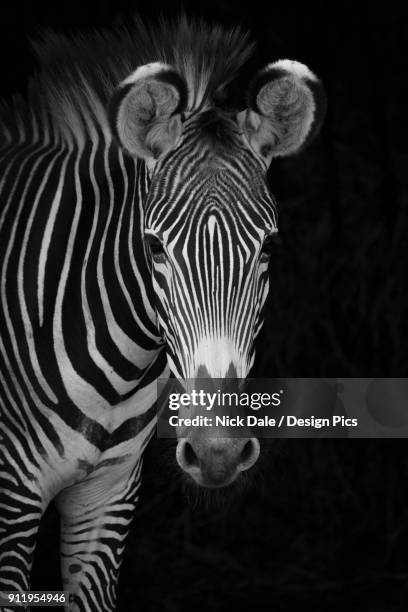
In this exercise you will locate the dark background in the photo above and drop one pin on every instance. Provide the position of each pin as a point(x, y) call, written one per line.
point(324, 524)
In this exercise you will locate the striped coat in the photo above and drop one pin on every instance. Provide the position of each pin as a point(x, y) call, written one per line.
point(135, 219)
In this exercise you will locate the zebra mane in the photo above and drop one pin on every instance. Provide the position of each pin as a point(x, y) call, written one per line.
point(77, 74)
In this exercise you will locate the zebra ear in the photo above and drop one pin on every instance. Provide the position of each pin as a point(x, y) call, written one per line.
point(286, 108)
point(145, 110)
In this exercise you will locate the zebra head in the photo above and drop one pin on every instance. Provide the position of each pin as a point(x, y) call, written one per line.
point(209, 222)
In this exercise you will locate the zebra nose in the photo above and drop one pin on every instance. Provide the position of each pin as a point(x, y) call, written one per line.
point(216, 462)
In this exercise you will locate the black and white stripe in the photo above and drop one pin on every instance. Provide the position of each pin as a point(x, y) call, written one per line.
point(87, 304)
point(211, 210)
point(79, 348)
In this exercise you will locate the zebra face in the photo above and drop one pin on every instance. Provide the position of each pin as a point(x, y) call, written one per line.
point(209, 223)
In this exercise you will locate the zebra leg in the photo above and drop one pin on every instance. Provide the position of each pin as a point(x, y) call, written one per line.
point(95, 517)
point(22, 505)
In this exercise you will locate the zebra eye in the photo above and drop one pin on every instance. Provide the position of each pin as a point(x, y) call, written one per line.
point(270, 243)
point(155, 246)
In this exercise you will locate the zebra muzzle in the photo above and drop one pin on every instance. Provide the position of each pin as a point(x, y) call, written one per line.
point(214, 461)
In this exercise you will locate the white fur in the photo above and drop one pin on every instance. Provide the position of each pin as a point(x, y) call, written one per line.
point(146, 71)
point(216, 355)
point(297, 69)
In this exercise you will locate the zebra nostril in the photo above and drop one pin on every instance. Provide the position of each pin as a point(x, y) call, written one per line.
point(186, 456)
point(190, 456)
point(246, 451)
point(249, 454)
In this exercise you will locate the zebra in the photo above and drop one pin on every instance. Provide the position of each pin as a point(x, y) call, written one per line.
point(135, 230)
